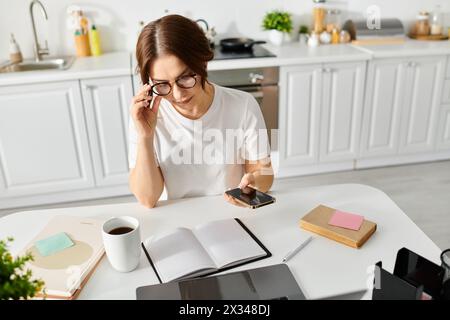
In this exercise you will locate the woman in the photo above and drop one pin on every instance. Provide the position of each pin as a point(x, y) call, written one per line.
point(188, 135)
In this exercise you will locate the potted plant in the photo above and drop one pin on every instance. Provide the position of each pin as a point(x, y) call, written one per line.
point(303, 32)
point(278, 23)
point(15, 281)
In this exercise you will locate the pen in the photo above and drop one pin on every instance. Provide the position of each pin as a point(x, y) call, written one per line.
point(296, 250)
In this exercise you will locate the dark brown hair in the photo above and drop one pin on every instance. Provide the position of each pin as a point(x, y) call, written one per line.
point(176, 35)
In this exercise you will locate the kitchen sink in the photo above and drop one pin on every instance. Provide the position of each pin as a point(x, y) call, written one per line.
point(56, 63)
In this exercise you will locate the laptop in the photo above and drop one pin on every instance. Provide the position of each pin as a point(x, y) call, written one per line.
point(274, 282)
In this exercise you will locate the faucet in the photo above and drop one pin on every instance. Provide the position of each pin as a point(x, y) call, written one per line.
point(38, 51)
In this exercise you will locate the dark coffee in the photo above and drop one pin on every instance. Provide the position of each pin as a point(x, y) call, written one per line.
point(121, 230)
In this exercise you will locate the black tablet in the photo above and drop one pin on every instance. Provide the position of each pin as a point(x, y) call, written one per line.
point(265, 283)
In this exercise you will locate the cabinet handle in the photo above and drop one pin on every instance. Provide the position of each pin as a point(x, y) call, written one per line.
point(328, 70)
point(89, 87)
point(256, 77)
point(411, 64)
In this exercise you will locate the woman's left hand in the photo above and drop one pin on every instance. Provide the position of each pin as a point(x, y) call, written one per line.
point(248, 180)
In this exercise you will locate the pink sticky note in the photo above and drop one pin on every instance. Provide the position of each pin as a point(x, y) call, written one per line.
point(346, 220)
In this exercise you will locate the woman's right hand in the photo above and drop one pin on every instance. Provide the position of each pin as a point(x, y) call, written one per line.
point(144, 117)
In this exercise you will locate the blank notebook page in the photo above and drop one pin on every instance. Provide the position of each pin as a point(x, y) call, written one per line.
point(227, 242)
point(177, 253)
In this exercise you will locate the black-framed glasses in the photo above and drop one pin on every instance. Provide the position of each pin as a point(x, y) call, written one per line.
point(184, 82)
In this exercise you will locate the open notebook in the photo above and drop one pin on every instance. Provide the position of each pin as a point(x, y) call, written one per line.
point(208, 248)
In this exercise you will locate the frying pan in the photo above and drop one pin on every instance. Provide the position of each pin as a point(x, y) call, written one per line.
point(236, 44)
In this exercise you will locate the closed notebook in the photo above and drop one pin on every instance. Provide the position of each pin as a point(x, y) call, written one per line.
point(317, 221)
point(66, 270)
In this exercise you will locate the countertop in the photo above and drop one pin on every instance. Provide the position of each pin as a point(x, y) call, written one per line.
point(407, 49)
point(295, 54)
point(322, 269)
point(106, 65)
point(124, 63)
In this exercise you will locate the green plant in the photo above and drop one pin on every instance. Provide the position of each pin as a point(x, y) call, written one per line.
point(303, 29)
point(278, 20)
point(15, 281)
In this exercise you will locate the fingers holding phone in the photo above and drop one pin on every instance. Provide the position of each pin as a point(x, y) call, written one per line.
point(247, 183)
point(252, 198)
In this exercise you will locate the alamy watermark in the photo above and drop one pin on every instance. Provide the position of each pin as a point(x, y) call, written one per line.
point(219, 146)
point(373, 17)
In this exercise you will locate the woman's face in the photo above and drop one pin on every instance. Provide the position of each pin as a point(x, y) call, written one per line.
point(168, 68)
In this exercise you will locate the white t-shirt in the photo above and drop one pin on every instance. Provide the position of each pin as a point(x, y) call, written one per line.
point(206, 156)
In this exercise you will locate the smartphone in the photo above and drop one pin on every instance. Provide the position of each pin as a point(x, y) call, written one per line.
point(254, 199)
point(418, 270)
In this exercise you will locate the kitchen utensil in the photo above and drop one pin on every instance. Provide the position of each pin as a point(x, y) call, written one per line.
point(391, 31)
point(238, 44)
point(210, 32)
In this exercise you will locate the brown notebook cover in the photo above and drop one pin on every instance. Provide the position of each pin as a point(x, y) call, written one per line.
point(317, 221)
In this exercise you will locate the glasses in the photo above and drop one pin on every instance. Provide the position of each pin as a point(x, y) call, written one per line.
point(184, 82)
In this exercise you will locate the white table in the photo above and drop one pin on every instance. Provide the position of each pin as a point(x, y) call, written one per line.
point(324, 268)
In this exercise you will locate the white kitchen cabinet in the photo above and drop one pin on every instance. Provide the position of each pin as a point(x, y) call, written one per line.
point(401, 107)
point(320, 113)
point(342, 102)
point(446, 92)
point(382, 108)
point(43, 140)
point(423, 89)
point(107, 101)
point(447, 73)
point(443, 141)
point(300, 100)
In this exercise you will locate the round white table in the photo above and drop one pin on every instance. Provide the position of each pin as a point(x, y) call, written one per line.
point(324, 268)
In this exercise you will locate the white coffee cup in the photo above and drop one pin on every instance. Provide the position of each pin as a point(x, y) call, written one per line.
point(122, 249)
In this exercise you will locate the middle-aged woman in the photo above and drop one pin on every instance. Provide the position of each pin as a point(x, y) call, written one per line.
point(188, 135)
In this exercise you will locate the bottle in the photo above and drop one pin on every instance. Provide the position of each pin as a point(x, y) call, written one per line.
point(82, 45)
point(15, 55)
point(335, 38)
point(94, 37)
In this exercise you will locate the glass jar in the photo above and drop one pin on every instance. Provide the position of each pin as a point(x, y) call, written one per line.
point(436, 21)
point(319, 16)
point(333, 20)
point(422, 26)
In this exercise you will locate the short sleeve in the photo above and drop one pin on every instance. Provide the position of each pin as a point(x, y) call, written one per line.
point(256, 142)
point(133, 145)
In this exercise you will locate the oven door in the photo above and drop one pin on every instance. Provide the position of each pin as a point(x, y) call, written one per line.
point(267, 98)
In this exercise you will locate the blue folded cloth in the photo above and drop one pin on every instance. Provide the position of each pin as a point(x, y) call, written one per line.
point(54, 244)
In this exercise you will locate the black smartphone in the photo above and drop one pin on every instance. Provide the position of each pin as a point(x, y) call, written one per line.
point(417, 270)
point(252, 199)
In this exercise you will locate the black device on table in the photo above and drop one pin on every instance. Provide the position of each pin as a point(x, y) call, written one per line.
point(418, 270)
point(274, 282)
point(414, 278)
point(252, 199)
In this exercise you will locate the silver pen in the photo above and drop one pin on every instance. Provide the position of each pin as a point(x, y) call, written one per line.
point(296, 250)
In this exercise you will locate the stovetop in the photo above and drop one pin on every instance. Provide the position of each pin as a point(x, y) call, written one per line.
point(257, 51)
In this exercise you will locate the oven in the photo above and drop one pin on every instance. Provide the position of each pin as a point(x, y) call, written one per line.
point(261, 83)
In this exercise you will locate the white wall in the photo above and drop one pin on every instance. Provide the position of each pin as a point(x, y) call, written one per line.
point(118, 19)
